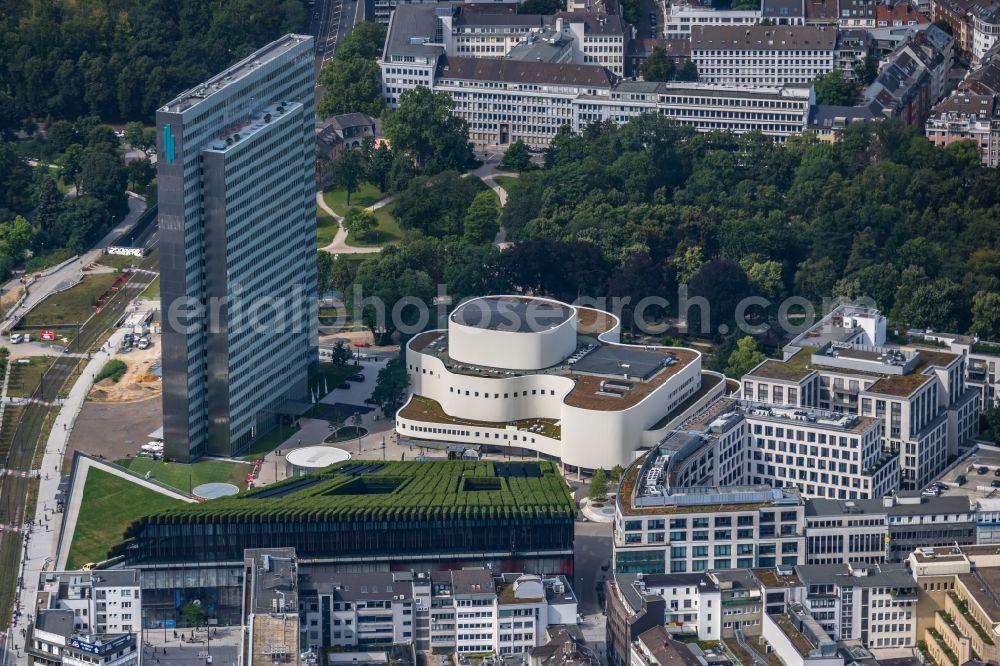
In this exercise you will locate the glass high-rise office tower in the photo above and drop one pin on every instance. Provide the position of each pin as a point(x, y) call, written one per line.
point(237, 214)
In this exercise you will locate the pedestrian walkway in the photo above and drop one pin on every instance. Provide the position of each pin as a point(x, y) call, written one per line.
point(42, 532)
point(339, 244)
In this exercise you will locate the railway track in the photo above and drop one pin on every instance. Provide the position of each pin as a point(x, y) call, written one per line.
point(15, 490)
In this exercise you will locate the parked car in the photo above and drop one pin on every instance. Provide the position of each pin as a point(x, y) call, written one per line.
point(15, 339)
point(983, 469)
point(960, 479)
point(343, 385)
point(356, 378)
point(995, 483)
point(143, 343)
point(930, 492)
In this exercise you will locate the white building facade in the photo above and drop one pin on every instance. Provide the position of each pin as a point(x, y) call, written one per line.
point(563, 385)
point(86, 618)
point(762, 55)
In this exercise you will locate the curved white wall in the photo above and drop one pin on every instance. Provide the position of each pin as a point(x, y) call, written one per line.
point(513, 350)
point(589, 438)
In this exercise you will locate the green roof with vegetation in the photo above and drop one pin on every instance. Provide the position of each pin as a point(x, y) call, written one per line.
point(364, 490)
point(792, 370)
point(986, 348)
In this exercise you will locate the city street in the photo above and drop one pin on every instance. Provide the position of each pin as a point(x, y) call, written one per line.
point(330, 22)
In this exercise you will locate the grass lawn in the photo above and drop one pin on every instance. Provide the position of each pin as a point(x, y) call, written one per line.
point(268, 443)
point(24, 377)
point(365, 196)
point(109, 505)
point(152, 292)
point(11, 417)
point(72, 306)
point(505, 181)
point(326, 228)
point(186, 478)
point(385, 233)
point(42, 261)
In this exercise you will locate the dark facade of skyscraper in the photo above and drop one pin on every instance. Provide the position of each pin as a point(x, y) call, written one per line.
point(236, 179)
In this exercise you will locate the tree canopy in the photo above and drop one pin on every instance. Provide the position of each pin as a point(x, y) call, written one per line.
point(121, 60)
point(658, 66)
point(423, 125)
point(834, 88)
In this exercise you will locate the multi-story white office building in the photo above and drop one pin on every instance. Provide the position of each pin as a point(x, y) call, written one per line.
point(874, 603)
point(982, 367)
point(682, 17)
point(762, 55)
point(564, 72)
point(841, 364)
point(235, 156)
point(777, 112)
point(86, 618)
point(661, 527)
point(465, 611)
point(821, 454)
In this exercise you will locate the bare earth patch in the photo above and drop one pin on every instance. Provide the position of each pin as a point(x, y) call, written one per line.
point(138, 383)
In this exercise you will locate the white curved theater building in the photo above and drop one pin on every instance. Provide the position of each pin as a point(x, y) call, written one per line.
point(528, 374)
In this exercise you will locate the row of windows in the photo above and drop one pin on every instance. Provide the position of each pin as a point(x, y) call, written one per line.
point(463, 433)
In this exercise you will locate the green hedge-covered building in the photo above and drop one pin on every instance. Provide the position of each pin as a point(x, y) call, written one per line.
point(516, 515)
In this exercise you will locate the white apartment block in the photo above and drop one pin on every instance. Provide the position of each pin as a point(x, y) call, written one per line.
point(86, 618)
point(681, 18)
point(841, 364)
point(982, 370)
point(876, 602)
point(762, 55)
point(468, 611)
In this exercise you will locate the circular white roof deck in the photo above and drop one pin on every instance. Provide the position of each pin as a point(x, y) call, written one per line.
point(316, 457)
point(512, 332)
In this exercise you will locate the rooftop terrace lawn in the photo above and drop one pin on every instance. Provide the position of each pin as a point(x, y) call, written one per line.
point(110, 504)
point(798, 640)
point(186, 478)
point(365, 490)
point(425, 409)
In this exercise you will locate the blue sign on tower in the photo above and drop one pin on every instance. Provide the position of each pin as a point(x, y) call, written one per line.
point(168, 143)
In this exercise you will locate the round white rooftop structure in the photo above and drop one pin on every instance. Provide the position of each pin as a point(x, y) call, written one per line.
point(312, 458)
point(512, 332)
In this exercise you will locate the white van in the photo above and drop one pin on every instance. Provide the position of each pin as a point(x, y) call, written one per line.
point(15, 339)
